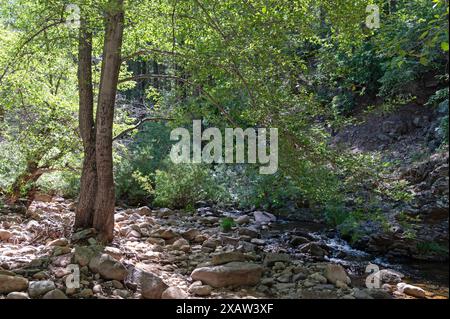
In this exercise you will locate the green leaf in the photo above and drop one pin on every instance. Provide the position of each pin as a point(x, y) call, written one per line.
point(444, 46)
point(423, 61)
point(264, 9)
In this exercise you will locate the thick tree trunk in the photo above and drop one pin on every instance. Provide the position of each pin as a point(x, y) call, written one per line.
point(105, 200)
point(88, 184)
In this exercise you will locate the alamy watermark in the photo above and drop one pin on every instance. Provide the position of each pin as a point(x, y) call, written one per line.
point(230, 152)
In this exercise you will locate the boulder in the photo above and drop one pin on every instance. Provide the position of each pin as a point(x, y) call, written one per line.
point(271, 258)
point(39, 288)
point(55, 294)
point(5, 235)
point(242, 220)
point(17, 295)
point(264, 217)
point(335, 273)
point(12, 283)
point(148, 284)
point(198, 289)
point(231, 274)
point(108, 267)
point(174, 293)
point(313, 249)
point(411, 290)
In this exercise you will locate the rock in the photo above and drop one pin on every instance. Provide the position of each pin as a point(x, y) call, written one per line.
point(258, 242)
point(298, 240)
point(211, 243)
point(156, 241)
point(86, 293)
point(5, 235)
point(198, 289)
point(108, 267)
point(38, 288)
point(58, 251)
point(144, 211)
point(149, 285)
point(313, 249)
point(164, 233)
point(41, 197)
point(117, 284)
point(284, 278)
point(361, 294)
point(191, 234)
point(55, 294)
point(242, 220)
point(12, 283)
point(174, 293)
point(379, 294)
point(83, 234)
point(389, 276)
point(271, 258)
point(227, 257)
point(411, 290)
point(341, 285)
point(17, 295)
point(59, 242)
point(247, 231)
point(122, 293)
point(180, 243)
point(264, 217)
point(318, 278)
point(114, 252)
point(334, 273)
point(231, 274)
point(82, 255)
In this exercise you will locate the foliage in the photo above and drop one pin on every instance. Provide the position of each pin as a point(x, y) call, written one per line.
point(227, 224)
point(182, 185)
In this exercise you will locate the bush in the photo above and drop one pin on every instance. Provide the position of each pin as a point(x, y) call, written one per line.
point(182, 185)
point(227, 224)
point(137, 162)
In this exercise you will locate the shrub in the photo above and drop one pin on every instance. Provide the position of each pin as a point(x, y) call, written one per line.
point(182, 185)
point(227, 224)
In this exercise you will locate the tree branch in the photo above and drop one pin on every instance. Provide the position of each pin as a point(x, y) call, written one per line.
point(173, 77)
point(139, 124)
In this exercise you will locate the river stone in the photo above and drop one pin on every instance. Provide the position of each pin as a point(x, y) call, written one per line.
point(164, 233)
point(5, 235)
point(264, 217)
point(59, 242)
point(198, 289)
point(389, 276)
point(82, 255)
point(38, 288)
point(298, 240)
point(227, 257)
point(17, 295)
point(231, 274)
point(174, 293)
point(336, 273)
point(247, 231)
point(149, 284)
point(108, 267)
point(411, 290)
point(242, 220)
point(313, 249)
point(12, 283)
point(55, 294)
point(271, 258)
point(190, 234)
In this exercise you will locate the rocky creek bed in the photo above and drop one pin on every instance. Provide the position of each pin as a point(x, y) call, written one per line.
point(175, 255)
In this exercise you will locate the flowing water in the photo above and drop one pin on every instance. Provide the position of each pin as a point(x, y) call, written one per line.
point(432, 276)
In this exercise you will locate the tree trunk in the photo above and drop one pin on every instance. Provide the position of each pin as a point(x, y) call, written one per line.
point(105, 200)
point(88, 183)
